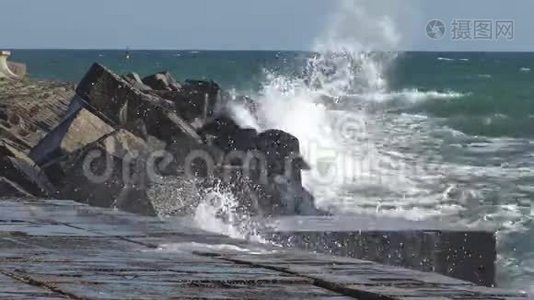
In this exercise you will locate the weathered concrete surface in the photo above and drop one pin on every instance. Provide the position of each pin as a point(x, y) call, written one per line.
point(30, 109)
point(108, 173)
point(77, 130)
point(127, 106)
point(61, 249)
point(457, 252)
point(16, 167)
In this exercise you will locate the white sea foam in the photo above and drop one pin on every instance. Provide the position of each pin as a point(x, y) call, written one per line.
point(347, 142)
point(408, 95)
point(220, 212)
point(189, 247)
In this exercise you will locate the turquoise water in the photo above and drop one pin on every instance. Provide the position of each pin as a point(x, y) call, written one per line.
point(240, 69)
point(466, 119)
point(496, 86)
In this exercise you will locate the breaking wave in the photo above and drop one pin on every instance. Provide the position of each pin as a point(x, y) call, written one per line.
point(366, 158)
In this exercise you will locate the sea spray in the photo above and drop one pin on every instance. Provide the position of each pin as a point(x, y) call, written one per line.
point(328, 108)
point(221, 212)
point(344, 63)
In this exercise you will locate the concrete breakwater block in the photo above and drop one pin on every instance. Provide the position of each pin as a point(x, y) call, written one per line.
point(457, 252)
point(121, 103)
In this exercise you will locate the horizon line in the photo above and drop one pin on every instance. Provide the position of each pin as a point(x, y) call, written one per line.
point(259, 50)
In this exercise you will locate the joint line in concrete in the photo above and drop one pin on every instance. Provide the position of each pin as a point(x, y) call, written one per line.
point(34, 282)
point(336, 288)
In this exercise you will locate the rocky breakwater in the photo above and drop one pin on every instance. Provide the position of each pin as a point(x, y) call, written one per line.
point(115, 141)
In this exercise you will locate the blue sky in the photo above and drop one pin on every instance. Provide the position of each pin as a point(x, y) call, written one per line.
point(245, 24)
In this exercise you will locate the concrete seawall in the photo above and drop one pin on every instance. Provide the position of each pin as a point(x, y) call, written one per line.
point(65, 250)
point(461, 253)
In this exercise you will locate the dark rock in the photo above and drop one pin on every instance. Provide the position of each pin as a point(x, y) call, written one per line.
point(293, 199)
point(195, 101)
point(282, 151)
point(109, 173)
point(125, 105)
point(199, 98)
point(9, 189)
point(135, 80)
point(167, 95)
point(245, 139)
point(228, 136)
point(162, 81)
point(21, 173)
point(78, 130)
point(171, 116)
point(220, 126)
point(266, 180)
point(202, 87)
point(179, 104)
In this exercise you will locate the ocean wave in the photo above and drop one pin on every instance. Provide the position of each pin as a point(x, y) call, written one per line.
point(387, 164)
point(493, 125)
point(407, 95)
point(452, 59)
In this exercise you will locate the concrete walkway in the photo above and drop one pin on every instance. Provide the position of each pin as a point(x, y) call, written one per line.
point(61, 249)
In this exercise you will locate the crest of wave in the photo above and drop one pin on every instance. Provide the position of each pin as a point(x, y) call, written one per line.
point(345, 62)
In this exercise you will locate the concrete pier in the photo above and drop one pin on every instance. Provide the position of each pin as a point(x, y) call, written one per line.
point(461, 253)
point(65, 250)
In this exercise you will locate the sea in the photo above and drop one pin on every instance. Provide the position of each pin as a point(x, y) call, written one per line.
point(447, 137)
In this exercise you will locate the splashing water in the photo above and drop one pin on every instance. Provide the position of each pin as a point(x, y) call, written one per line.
point(220, 212)
point(343, 66)
point(373, 162)
point(368, 157)
point(327, 108)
